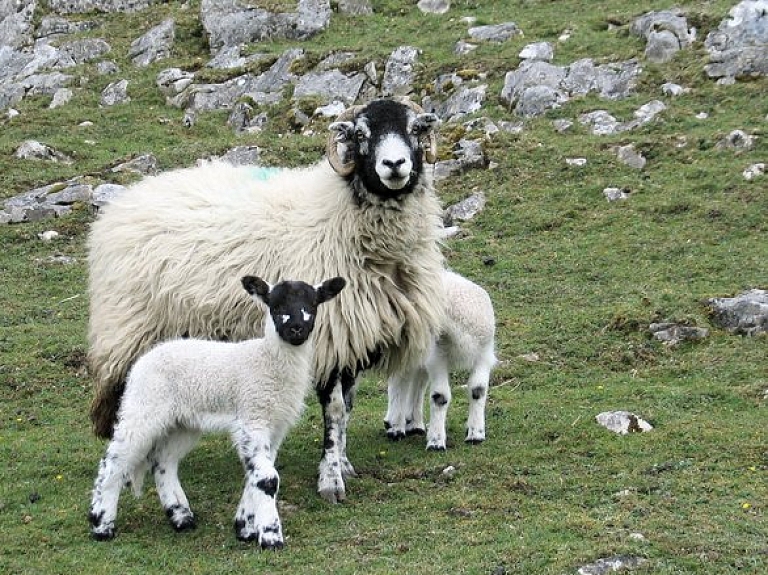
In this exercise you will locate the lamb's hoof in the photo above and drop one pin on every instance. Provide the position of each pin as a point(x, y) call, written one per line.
point(435, 447)
point(474, 440)
point(415, 431)
point(186, 524)
point(245, 533)
point(103, 533)
point(271, 544)
point(347, 469)
point(395, 435)
point(332, 493)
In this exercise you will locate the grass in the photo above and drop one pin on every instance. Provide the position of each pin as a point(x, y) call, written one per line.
point(575, 280)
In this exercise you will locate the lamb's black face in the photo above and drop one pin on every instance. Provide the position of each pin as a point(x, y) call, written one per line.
point(385, 140)
point(293, 304)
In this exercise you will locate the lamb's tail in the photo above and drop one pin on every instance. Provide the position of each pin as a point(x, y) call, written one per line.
point(104, 409)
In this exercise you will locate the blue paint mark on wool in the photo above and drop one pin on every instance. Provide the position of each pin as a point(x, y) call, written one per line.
point(263, 174)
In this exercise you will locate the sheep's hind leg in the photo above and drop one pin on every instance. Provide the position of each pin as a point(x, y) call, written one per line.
point(330, 481)
point(398, 391)
point(477, 388)
point(414, 413)
point(257, 518)
point(164, 460)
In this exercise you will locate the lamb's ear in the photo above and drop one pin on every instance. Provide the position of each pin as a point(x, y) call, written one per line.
point(345, 131)
point(329, 289)
point(257, 287)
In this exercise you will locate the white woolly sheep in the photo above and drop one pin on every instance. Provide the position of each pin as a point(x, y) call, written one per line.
point(254, 390)
point(158, 251)
point(466, 342)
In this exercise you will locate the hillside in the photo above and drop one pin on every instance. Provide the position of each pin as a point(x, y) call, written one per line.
point(613, 155)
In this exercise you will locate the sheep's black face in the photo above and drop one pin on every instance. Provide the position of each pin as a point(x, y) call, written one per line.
point(385, 142)
point(293, 304)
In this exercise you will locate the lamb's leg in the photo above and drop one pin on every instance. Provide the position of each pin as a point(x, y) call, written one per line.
point(349, 390)
point(330, 481)
point(164, 459)
point(440, 399)
point(257, 518)
point(477, 388)
point(115, 469)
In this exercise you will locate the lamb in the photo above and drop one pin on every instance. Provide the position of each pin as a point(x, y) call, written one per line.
point(254, 390)
point(157, 253)
point(465, 342)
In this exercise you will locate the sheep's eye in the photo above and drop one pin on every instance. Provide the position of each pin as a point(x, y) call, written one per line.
point(359, 135)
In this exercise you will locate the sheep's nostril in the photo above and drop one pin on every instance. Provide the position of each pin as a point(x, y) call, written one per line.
point(393, 164)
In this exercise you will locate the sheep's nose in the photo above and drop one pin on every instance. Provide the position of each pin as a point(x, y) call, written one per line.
point(393, 164)
point(297, 331)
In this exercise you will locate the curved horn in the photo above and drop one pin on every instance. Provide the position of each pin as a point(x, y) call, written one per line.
point(430, 149)
point(344, 169)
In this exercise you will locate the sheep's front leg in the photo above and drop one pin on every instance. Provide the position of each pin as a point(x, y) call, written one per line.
point(257, 518)
point(440, 399)
point(165, 460)
point(330, 481)
point(349, 389)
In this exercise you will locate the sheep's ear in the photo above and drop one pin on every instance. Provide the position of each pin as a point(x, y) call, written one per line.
point(424, 124)
point(329, 289)
point(257, 287)
point(345, 131)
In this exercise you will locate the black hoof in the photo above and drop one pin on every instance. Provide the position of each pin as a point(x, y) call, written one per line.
point(186, 524)
point(435, 448)
point(273, 546)
point(103, 535)
point(416, 431)
point(473, 441)
point(395, 436)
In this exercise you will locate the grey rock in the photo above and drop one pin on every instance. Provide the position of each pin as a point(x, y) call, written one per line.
point(155, 45)
point(754, 171)
point(666, 32)
point(266, 88)
point(229, 23)
point(53, 25)
point(536, 100)
point(615, 194)
point(562, 125)
point(672, 334)
point(739, 46)
point(85, 50)
point(746, 313)
point(671, 89)
point(611, 565)
point(61, 97)
point(229, 57)
point(45, 84)
point(115, 93)
point(646, 113)
point(355, 7)
point(465, 210)
point(173, 81)
point(85, 6)
point(105, 193)
point(398, 71)
point(330, 86)
point(737, 140)
point(662, 46)
point(538, 51)
point(631, 157)
point(243, 156)
point(461, 47)
point(601, 122)
point(495, 32)
point(529, 74)
point(16, 22)
point(334, 60)
point(623, 422)
point(468, 154)
point(434, 6)
point(146, 164)
point(106, 68)
point(463, 102)
point(34, 150)
point(70, 195)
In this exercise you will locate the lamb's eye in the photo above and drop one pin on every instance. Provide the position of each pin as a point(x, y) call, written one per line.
point(285, 317)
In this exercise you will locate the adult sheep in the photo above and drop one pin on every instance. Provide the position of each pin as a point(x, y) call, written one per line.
point(162, 253)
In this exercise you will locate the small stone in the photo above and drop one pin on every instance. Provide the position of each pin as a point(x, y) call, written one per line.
point(615, 194)
point(48, 236)
point(670, 89)
point(702, 116)
point(622, 422)
point(434, 6)
point(578, 162)
point(449, 471)
point(538, 51)
point(671, 333)
point(754, 171)
point(631, 157)
point(611, 564)
point(489, 261)
point(562, 125)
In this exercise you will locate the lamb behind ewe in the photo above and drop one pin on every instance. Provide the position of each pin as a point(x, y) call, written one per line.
point(466, 342)
point(254, 390)
point(157, 253)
